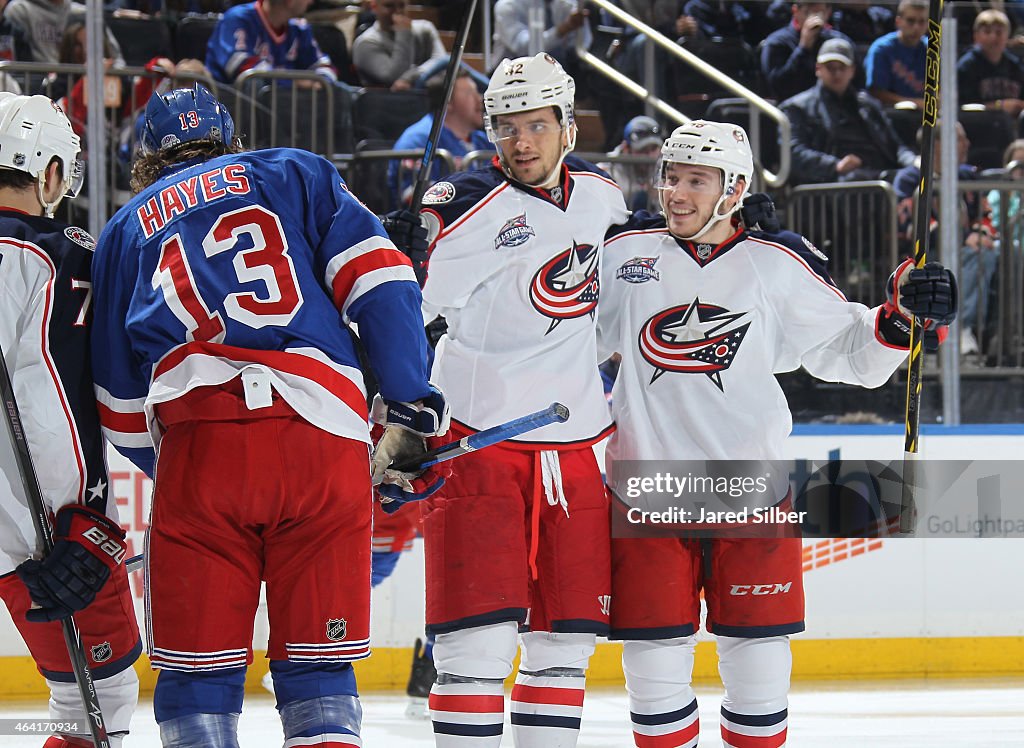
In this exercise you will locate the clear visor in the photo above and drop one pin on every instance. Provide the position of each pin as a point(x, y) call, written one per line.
point(507, 132)
point(76, 179)
point(672, 176)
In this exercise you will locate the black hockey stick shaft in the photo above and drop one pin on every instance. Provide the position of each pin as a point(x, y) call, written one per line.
point(450, 76)
point(41, 521)
point(922, 235)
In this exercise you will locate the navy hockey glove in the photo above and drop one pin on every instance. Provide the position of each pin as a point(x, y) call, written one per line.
point(758, 213)
point(435, 330)
point(929, 293)
point(87, 547)
point(409, 235)
point(407, 428)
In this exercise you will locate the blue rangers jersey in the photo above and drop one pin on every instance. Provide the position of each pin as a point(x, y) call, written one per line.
point(45, 314)
point(514, 271)
point(260, 260)
point(704, 329)
point(244, 40)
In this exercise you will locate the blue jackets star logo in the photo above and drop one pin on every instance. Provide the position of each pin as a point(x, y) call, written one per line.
point(567, 286)
point(692, 338)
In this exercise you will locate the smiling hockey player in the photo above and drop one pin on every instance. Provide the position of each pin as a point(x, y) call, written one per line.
point(705, 312)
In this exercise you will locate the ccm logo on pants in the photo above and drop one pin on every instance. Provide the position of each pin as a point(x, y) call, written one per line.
point(760, 589)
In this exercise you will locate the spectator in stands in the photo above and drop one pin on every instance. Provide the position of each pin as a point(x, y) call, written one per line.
point(979, 253)
point(840, 133)
point(43, 22)
point(788, 54)
point(461, 133)
point(729, 19)
point(563, 19)
point(988, 74)
point(12, 47)
point(861, 21)
point(1012, 233)
point(641, 137)
point(396, 50)
point(896, 62)
point(265, 35)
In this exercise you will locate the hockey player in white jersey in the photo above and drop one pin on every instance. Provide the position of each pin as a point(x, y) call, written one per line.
point(45, 322)
point(517, 537)
point(705, 313)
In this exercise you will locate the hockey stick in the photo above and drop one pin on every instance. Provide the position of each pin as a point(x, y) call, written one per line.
point(426, 164)
point(554, 413)
point(41, 521)
point(922, 234)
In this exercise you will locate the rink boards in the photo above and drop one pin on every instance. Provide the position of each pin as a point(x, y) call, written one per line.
point(875, 608)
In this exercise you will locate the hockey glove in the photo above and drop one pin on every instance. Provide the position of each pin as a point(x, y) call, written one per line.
point(758, 213)
point(87, 547)
point(929, 293)
point(407, 429)
point(408, 234)
point(436, 329)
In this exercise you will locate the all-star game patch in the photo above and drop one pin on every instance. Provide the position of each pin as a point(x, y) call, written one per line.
point(814, 250)
point(440, 193)
point(81, 237)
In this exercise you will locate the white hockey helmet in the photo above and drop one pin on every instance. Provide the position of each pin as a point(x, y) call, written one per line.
point(33, 131)
point(720, 145)
point(528, 83)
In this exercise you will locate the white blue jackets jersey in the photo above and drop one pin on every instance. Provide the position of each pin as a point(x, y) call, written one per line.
point(250, 260)
point(244, 40)
point(45, 314)
point(703, 330)
point(514, 271)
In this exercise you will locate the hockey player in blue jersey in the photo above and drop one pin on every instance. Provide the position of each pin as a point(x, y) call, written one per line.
point(223, 291)
point(45, 320)
point(265, 35)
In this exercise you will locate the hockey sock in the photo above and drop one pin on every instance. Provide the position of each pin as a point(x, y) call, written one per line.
point(662, 705)
point(318, 703)
point(118, 695)
point(755, 673)
point(467, 711)
point(547, 700)
point(547, 707)
point(199, 709)
point(467, 702)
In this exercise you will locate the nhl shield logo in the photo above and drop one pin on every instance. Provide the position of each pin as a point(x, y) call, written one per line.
point(337, 629)
point(101, 652)
point(704, 250)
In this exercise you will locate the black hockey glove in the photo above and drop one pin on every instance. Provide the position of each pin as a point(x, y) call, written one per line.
point(758, 213)
point(408, 234)
point(435, 330)
point(929, 293)
point(87, 547)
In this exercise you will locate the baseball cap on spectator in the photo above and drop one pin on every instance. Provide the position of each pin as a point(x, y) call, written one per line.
point(642, 132)
point(836, 50)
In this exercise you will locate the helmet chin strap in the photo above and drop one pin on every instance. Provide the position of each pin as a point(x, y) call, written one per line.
point(48, 207)
point(715, 218)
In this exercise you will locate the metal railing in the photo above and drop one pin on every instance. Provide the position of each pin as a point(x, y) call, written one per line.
point(305, 98)
point(759, 106)
point(855, 224)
